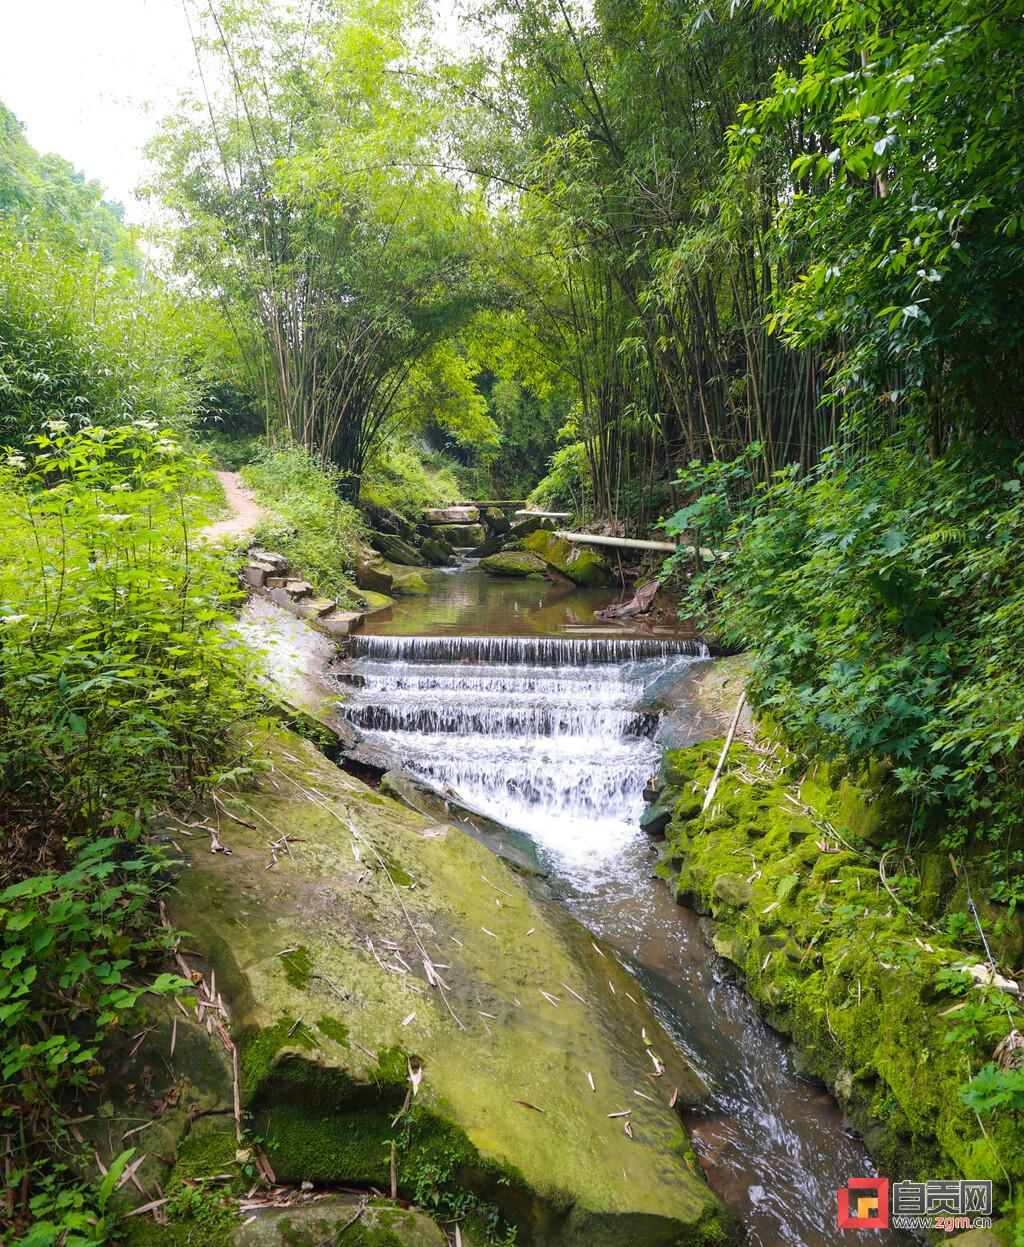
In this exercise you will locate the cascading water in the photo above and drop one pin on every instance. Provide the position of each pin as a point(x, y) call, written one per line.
point(551, 736)
point(541, 733)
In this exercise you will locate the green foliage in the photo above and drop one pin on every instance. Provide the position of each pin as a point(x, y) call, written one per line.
point(308, 522)
point(44, 193)
point(117, 684)
point(882, 596)
point(84, 342)
point(994, 1088)
point(568, 485)
point(117, 691)
point(406, 478)
point(907, 217)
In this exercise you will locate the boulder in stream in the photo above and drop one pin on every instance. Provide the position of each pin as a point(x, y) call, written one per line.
point(519, 563)
point(582, 565)
point(435, 516)
point(389, 979)
point(461, 536)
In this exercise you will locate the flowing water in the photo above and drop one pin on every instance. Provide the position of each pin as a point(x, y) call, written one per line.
point(551, 734)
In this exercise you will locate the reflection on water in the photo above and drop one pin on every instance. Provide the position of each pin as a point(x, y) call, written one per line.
point(468, 602)
point(551, 737)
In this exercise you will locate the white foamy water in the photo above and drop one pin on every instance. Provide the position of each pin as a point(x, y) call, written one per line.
point(543, 734)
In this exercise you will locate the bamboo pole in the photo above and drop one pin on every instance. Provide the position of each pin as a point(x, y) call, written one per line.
point(631, 543)
point(713, 786)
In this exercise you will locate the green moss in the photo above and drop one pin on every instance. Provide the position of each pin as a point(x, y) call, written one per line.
point(837, 963)
point(297, 966)
point(259, 1050)
point(206, 1155)
point(334, 1029)
point(584, 566)
point(194, 1218)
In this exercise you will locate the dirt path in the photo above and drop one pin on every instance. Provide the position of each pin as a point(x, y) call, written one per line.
point(245, 511)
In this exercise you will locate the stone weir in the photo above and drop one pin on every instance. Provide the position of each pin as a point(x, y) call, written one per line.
point(412, 1013)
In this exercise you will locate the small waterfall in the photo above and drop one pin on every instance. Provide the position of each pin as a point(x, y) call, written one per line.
point(519, 650)
point(543, 733)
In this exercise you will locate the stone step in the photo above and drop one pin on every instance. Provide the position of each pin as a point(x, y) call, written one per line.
point(338, 623)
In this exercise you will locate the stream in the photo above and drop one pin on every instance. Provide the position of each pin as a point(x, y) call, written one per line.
point(508, 693)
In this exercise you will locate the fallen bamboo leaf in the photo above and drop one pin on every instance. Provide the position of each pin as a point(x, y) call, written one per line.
point(596, 949)
point(153, 1203)
point(674, 1100)
point(659, 1064)
point(552, 1000)
point(527, 1104)
point(624, 1114)
point(490, 933)
point(590, 1079)
point(415, 1073)
point(174, 1034)
point(572, 993)
point(531, 930)
point(644, 1096)
point(612, 986)
point(628, 1127)
point(406, 1020)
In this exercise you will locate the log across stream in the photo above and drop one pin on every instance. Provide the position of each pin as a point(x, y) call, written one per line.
point(508, 694)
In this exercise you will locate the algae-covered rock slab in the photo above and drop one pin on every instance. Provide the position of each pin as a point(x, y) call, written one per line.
point(342, 1221)
point(584, 566)
point(374, 951)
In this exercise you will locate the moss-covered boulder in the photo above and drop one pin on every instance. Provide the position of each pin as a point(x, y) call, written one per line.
point(496, 520)
point(437, 553)
point(395, 989)
point(580, 563)
point(375, 601)
point(461, 536)
point(408, 584)
point(516, 563)
point(840, 958)
point(341, 1221)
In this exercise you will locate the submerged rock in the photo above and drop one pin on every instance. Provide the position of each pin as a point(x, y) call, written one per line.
point(384, 956)
point(582, 565)
point(513, 563)
point(506, 842)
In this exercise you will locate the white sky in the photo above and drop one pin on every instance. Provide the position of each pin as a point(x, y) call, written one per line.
point(90, 78)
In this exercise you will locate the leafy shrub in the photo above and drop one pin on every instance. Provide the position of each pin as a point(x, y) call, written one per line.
point(83, 342)
point(406, 479)
point(567, 486)
point(308, 521)
point(116, 682)
point(117, 691)
point(883, 597)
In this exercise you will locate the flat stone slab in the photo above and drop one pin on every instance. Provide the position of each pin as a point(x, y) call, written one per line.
point(376, 952)
point(451, 515)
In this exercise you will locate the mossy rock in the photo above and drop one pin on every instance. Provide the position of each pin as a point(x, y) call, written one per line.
point(143, 1082)
point(519, 563)
point(322, 1224)
point(505, 1112)
point(439, 553)
point(375, 601)
point(409, 584)
point(461, 536)
point(849, 973)
point(580, 563)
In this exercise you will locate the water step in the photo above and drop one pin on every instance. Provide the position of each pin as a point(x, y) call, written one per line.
point(552, 651)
